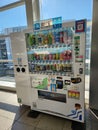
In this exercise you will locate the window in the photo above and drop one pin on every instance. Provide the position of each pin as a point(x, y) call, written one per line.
point(6, 2)
point(12, 20)
point(6, 64)
point(15, 17)
point(67, 9)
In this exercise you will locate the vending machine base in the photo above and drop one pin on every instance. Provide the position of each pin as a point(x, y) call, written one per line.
point(33, 114)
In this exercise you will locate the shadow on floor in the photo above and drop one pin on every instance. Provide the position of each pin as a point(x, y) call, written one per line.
point(8, 107)
point(14, 117)
point(25, 119)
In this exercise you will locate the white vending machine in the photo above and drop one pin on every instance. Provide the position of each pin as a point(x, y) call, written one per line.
point(49, 63)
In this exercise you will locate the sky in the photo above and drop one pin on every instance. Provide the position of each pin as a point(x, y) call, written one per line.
point(67, 9)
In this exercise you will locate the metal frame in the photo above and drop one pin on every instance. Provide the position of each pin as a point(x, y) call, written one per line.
point(12, 5)
point(93, 101)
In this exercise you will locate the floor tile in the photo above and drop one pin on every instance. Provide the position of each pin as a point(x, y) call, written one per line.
point(7, 114)
point(4, 96)
point(21, 126)
point(29, 120)
point(49, 122)
point(67, 125)
point(5, 123)
point(78, 125)
point(13, 117)
point(11, 111)
point(91, 121)
point(8, 97)
point(12, 99)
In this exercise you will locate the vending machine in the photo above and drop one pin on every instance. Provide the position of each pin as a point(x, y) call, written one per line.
point(51, 64)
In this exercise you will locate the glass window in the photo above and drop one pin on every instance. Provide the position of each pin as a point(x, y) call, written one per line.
point(14, 20)
point(88, 53)
point(6, 2)
point(6, 64)
point(6, 69)
point(87, 68)
point(5, 49)
point(15, 17)
point(68, 9)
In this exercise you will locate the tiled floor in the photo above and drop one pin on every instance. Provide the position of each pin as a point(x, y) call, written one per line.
point(14, 117)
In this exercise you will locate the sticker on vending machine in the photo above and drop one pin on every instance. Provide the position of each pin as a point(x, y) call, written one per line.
point(76, 113)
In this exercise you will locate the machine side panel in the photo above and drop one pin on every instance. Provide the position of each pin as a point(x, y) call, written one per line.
point(21, 67)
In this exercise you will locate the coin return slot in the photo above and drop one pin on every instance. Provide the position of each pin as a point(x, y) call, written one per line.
point(18, 69)
point(23, 69)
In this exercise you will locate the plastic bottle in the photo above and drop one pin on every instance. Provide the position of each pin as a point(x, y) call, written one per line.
point(65, 36)
point(50, 38)
point(57, 56)
point(50, 56)
point(61, 56)
point(62, 37)
point(54, 56)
